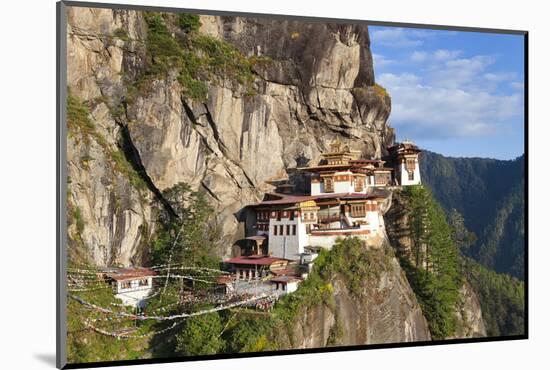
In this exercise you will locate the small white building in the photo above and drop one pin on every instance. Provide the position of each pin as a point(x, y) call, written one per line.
point(285, 284)
point(132, 285)
point(406, 165)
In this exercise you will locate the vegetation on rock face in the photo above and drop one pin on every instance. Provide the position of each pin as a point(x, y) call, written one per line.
point(81, 127)
point(197, 58)
point(201, 336)
point(189, 22)
point(188, 231)
point(121, 34)
point(436, 278)
point(85, 345)
point(501, 297)
point(381, 91)
point(433, 268)
point(462, 237)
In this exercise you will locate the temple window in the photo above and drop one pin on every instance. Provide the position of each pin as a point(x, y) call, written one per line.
point(410, 164)
point(382, 178)
point(329, 185)
point(293, 229)
point(411, 176)
point(275, 230)
point(287, 229)
point(357, 210)
point(281, 230)
point(359, 184)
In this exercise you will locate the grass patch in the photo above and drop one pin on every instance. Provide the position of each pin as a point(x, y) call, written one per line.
point(381, 91)
point(197, 58)
point(121, 34)
point(84, 344)
point(80, 124)
point(189, 22)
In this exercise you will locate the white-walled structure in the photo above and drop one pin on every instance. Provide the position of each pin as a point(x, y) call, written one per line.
point(406, 164)
point(345, 199)
point(286, 284)
point(132, 285)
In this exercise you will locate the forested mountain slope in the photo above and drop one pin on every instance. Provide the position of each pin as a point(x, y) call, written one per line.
point(489, 193)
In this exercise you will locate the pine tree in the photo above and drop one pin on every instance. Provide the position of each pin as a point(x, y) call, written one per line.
point(188, 230)
point(433, 268)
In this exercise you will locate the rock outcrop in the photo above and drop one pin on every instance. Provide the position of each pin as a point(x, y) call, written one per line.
point(319, 84)
point(470, 322)
point(387, 311)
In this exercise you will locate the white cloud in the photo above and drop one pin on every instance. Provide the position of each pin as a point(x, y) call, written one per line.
point(381, 61)
point(499, 77)
point(399, 37)
point(443, 54)
point(517, 85)
point(463, 73)
point(445, 112)
point(435, 56)
point(419, 56)
point(397, 81)
point(451, 95)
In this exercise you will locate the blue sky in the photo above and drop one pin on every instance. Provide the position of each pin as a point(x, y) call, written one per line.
point(455, 93)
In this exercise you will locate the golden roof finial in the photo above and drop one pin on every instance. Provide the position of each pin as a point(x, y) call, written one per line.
point(335, 145)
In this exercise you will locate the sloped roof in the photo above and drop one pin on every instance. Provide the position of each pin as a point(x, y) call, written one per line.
point(131, 273)
point(291, 199)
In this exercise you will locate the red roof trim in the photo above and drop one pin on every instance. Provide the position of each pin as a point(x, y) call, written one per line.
point(131, 274)
point(255, 261)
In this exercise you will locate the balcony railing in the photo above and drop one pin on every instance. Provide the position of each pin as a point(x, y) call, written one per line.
point(337, 228)
point(329, 218)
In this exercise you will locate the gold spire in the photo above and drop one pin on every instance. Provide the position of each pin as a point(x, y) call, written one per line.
point(335, 145)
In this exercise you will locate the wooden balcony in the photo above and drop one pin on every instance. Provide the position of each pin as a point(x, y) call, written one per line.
point(327, 219)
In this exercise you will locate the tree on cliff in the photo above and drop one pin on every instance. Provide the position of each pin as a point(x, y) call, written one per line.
point(462, 237)
point(433, 268)
point(188, 232)
point(201, 335)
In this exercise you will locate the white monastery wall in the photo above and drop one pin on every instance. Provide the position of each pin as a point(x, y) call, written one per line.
point(405, 175)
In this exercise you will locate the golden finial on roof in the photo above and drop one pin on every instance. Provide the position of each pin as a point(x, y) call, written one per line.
point(335, 145)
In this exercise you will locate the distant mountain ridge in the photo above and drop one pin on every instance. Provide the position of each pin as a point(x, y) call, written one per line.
point(489, 193)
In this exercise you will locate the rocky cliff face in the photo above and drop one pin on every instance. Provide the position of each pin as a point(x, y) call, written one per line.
point(387, 311)
point(470, 322)
point(318, 85)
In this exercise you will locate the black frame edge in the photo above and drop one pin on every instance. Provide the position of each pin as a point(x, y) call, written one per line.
point(61, 184)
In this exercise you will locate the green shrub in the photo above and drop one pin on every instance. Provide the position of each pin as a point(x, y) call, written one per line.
point(79, 221)
point(121, 34)
point(189, 22)
point(200, 336)
point(197, 58)
point(84, 344)
point(79, 123)
point(381, 91)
